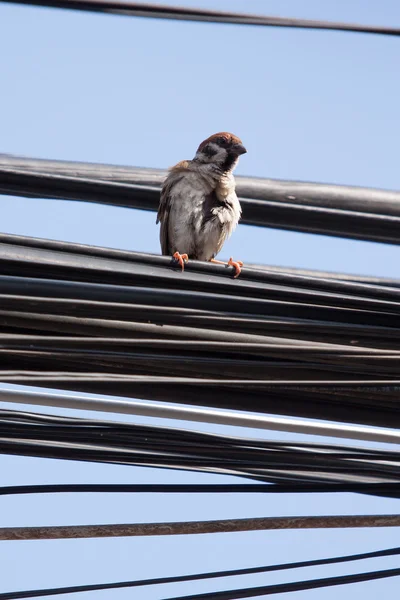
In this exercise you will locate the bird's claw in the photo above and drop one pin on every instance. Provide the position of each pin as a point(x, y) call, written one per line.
point(181, 259)
point(237, 265)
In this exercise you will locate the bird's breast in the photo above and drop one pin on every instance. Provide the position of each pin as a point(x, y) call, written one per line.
point(202, 216)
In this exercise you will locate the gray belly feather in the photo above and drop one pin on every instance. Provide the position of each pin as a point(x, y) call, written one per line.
point(199, 226)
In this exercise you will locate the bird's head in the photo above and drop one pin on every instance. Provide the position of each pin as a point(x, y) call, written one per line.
point(222, 150)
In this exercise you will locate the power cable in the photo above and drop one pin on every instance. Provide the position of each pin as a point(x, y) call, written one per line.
point(344, 211)
point(59, 532)
point(196, 576)
point(196, 414)
point(114, 322)
point(157, 11)
point(297, 586)
point(289, 466)
point(391, 490)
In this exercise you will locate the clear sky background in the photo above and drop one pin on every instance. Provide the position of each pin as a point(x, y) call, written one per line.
point(312, 106)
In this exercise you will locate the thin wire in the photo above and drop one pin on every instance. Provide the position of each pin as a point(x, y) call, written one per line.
point(392, 489)
point(196, 527)
point(310, 584)
point(157, 11)
point(196, 576)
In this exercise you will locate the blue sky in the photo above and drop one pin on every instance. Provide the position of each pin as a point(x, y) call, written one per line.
point(312, 106)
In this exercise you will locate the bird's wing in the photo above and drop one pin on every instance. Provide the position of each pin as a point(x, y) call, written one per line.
point(164, 208)
point(163, 214)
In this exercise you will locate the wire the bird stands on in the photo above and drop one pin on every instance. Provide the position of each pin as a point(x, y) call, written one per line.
point(114, 322)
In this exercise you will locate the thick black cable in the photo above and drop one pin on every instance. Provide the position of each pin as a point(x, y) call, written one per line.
point(157, 11)
point(391, 490)
point(297, 344)
point(297, 586)
point(197, 576)
point(298, 467)
point(77, 264)
point(353, 198)
point(335, 283)
point(344, 211)
point(269, 473)
point(283, 275)
point(213, 358)
point(197, 437)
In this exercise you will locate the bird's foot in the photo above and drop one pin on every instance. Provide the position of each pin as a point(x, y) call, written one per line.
point(181, 259)
point(236, 264)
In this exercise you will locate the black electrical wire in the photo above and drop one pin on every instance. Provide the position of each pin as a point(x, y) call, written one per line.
point(353, 198)
point(196, 576)
point(344, 211)
point(198, 438)
point(390, 490)
point(96, 256)
point(260, 288)
point(297, 586)
point(157, 11)
point(123, 323)
point(299, 467)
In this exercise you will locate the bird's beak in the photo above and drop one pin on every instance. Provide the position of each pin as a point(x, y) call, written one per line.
point(239, 149)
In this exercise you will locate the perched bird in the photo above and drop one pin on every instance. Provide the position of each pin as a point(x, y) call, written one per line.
point(199, 208)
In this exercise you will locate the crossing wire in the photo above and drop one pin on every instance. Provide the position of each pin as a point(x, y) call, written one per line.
point(157, 11)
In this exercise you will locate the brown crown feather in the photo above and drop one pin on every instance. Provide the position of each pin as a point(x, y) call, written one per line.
point(230, 137)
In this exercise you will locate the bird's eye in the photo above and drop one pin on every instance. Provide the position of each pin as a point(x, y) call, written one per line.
point(222, 141)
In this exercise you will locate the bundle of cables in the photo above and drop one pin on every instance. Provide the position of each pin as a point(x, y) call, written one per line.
point(290, 467)
point(278, 340)
point(121, 323)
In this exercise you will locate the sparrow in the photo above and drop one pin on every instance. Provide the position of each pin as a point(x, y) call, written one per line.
point(198, 207)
